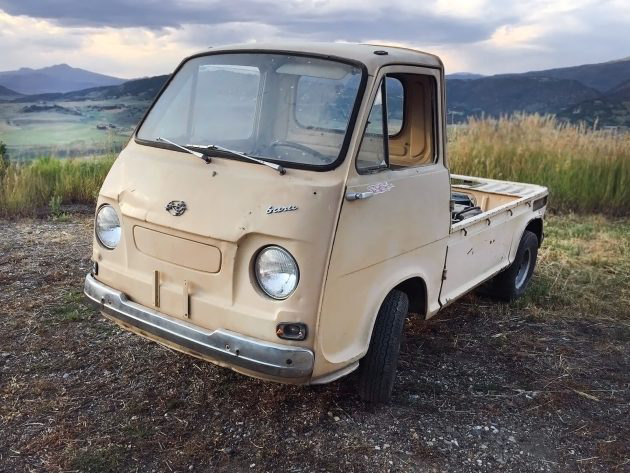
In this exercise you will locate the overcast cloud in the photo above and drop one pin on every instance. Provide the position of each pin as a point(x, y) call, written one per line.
point(132, 38)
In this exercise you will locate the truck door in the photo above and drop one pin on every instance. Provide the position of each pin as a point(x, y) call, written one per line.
point(395, 217)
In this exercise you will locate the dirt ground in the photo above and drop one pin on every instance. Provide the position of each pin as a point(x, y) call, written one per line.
point(541, 385)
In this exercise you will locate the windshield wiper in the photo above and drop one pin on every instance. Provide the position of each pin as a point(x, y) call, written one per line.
point(274, 166)
point(206, 159)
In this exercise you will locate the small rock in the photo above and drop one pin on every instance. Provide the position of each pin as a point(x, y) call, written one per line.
point(376, 447)
point(511, 438)
point(336, 419)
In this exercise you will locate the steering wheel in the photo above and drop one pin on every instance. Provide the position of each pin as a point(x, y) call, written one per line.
point(300, 147)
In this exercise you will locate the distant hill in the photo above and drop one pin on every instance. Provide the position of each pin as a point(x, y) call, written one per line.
point(8, 94)
point(621, 92)
point(611, 109)
point(501, 95)
point(464, 76)
point(590, 93)
point(54, 79)
point(602, 77)
point(142, 89)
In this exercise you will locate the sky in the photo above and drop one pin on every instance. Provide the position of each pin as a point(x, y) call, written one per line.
point(137, 38)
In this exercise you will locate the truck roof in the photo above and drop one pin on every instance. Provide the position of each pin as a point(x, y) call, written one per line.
point(364, 53)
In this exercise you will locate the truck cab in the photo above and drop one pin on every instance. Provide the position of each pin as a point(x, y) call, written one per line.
point(280, 210)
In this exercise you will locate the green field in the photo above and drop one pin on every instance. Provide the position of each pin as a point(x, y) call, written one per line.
point(67, 128)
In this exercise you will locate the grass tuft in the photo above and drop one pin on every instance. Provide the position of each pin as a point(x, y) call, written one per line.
point(47, 183)
point(583, 268)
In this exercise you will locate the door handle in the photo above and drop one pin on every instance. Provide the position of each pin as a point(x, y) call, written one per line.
point(358, 195)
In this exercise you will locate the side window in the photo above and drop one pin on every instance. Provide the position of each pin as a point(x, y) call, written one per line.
point(373, 150)
point(415, 143)
point(409, 127)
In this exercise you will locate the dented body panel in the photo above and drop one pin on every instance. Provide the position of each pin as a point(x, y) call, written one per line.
point(354, 235)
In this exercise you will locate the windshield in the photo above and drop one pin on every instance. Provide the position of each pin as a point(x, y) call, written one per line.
point(286, 108)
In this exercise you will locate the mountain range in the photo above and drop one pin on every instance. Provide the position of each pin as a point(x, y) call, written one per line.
point(592, 93)
point(8, 94)
point(58, 78)
point(140, 89)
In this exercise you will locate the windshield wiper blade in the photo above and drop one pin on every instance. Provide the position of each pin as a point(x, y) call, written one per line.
point(206, 159)
point(274, 166)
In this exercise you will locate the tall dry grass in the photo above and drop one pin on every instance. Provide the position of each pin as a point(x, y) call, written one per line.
point(26, 189)
point(585, 170)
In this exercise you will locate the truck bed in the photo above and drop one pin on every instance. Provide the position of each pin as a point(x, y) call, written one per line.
point(485, 243)
point(495, 197)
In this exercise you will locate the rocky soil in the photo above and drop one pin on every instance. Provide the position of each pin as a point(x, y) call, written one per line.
point(483, 387)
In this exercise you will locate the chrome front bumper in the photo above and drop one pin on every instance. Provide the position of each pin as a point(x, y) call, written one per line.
point(271, 359)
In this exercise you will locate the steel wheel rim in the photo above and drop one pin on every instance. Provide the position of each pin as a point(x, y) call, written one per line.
point(523, 269)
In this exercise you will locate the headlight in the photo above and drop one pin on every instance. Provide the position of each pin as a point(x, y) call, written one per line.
point(277, 272)
point(107, 227)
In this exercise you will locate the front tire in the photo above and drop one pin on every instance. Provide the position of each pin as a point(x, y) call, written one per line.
point(512, 282)
point(377, 370)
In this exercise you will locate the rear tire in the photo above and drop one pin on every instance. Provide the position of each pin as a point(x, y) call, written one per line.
point(512, 282)
point(377, 370)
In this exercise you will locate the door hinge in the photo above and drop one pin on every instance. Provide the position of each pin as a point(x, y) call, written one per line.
point(444, 274)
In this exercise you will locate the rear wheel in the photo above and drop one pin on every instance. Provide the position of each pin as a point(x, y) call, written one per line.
point(377, 370)
point(512, 282)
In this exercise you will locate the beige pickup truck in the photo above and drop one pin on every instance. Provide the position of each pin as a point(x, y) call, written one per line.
point(280, 210)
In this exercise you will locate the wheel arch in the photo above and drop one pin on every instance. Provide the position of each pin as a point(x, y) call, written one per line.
point(536, 227)
point(416, 290)
point(414, 286)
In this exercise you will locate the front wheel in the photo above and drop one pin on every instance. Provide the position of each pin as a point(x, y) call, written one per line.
point(512, 282)
point(377, 370)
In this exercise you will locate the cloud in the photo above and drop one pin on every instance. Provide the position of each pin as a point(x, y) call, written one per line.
point(350, 20)
point(131, 38)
